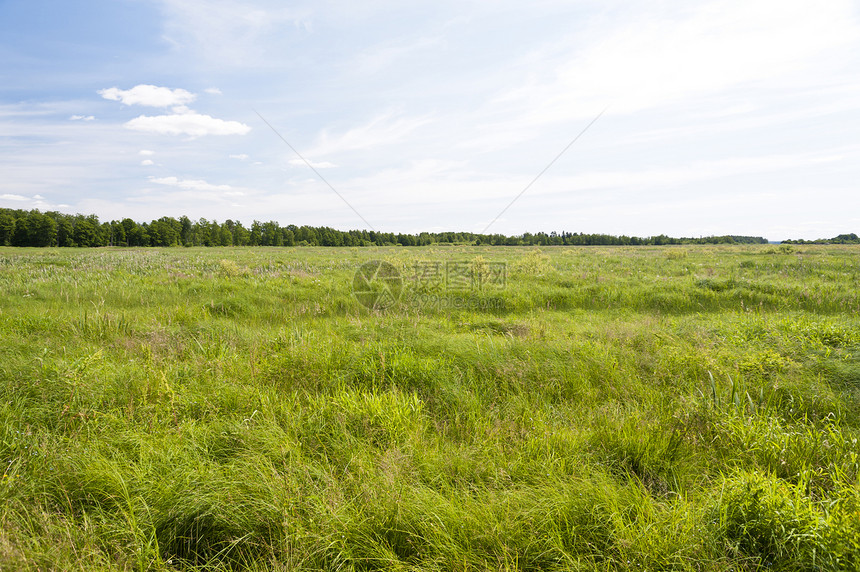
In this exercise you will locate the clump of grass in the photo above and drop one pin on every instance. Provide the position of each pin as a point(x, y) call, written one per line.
point(676, 254)
point(229, 268)
point(771, 522)
point(533, 263)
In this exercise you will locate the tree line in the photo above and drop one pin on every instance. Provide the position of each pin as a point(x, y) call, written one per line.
point(841, 239)
point(35, 228)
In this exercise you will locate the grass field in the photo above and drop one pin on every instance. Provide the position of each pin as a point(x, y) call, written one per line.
point(637, 408)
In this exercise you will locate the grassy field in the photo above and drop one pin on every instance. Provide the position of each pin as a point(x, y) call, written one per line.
point(619, 408)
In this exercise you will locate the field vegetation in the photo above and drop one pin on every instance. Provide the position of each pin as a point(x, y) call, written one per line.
point(604, 408)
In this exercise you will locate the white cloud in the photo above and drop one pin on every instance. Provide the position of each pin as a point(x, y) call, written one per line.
point(192, 124)
point(447, 193)
point(677, 176)
point(82, 118)
point(230, 32)
point(20, 110)
point(660, 55)
point(146, 152)
point(378, 58)
point(213, 91)
point(190, 184)
point(182, 121)
point(240, 156)
point(149, 95)
point(35, 201)
point(315, 165)
point(176, 194)
point(382, 130)
point(147, 162)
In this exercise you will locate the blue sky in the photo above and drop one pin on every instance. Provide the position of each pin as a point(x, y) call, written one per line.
point(721, 117)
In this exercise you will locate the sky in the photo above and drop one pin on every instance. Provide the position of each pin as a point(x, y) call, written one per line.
point(634, 117)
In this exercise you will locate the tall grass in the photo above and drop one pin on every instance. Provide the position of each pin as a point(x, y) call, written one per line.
point(608, 408)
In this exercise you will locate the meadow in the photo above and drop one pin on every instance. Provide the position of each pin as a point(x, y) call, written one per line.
point(606, 408)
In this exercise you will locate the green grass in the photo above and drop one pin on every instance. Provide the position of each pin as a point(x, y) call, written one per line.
point(643, 408)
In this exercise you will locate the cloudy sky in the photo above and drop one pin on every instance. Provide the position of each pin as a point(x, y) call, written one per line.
point(718, 117)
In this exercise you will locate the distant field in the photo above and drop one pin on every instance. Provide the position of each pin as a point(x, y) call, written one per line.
point(503, 408)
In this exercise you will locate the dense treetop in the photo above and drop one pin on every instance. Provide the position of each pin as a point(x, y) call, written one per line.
point(841, 239)
point(35, 228)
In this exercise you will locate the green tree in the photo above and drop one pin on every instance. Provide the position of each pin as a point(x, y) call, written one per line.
point(289, 238)
point(214, 233)
point(241, 236)
point(308, 235)
point(135, 234)
point(271, 234)
point(65, 232)
point(202, 233)
point(165, 232)
point(21, 236)
point(226, 235)
point(84, 233)
point(7, 228)
point(186, 231)
point(256, 237)
point(118, 237)
point(44, 230)
point(128, 225)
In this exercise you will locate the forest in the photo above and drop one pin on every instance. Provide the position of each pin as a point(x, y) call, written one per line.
point(35, 228)
point(850, 238)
